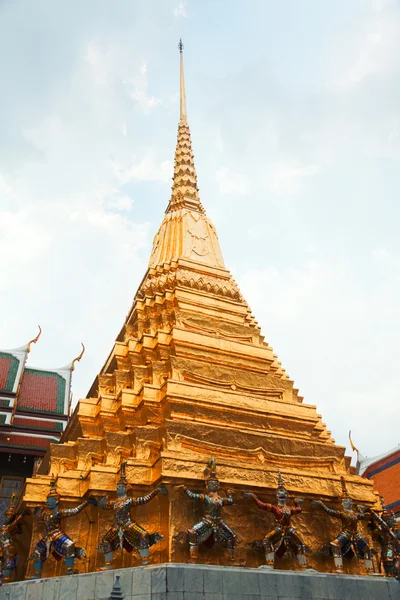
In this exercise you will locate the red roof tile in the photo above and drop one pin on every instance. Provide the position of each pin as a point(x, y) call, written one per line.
point(8, 371)
point(24, 441)
point(5, 364)
point(42, 391)
point(38, 423)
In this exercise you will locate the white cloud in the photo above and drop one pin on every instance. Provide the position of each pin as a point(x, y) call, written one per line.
point(231, 183)
point(219, 143)
point(99, 62)
point(144, 169)
point(5, 187)
point(181, 9)
point(284, 177)
point(122, 203)
point(139, 91)
point(372, 49)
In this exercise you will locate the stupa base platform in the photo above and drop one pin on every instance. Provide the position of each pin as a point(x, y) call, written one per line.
point(204, 582)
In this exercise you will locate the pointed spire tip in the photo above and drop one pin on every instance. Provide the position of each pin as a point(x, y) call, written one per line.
point(183, 115)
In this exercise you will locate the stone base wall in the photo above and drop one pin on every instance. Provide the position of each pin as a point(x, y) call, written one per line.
point(203, 582)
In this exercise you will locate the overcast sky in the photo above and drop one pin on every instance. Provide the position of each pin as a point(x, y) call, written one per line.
point(294, 108)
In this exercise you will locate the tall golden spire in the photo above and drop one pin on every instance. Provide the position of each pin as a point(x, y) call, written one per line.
point(185, 193)
point(183, 115)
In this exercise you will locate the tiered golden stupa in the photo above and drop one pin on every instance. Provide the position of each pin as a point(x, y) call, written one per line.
point(189, 377)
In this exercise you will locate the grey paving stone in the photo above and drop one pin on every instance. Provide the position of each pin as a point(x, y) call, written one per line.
point(158, 580)
point(393, 587)
point(232, 582)
point(193, 596)
point(232, 596)
point(125, 578)
point(291, 584)
point(194, 579)
point(212, 581)
point(370, 589)
point(86, 586)
point(141, 581)
point(267, 582)
point(17, 590)
point(159, 596)
point(318, 586)
point(250, 582)
point(269, 594)
point(51, 588)
point(336, 588)
point(175, 596)
point(68, 587)
point(103, 585)
point(141, 597)
point(34, 590)
point(175, 578)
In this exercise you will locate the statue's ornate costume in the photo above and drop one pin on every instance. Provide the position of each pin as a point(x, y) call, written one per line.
point(283, 537)
point(55, 540)
point(349, 542)
point(127, 533)
point(8, 552)
point(387, 533)
point(212, 529)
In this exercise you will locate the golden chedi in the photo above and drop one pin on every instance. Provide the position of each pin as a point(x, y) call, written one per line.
point(191, 377)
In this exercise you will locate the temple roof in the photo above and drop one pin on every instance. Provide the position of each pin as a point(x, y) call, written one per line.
point(34, 402)
point(364, 463)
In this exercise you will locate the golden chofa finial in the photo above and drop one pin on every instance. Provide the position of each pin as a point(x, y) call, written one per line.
point(35, 339)
point(78, 358)
point(352, 445)
point(183, 115)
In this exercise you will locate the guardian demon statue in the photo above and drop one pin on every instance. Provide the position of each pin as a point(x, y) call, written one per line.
point(349, 541)
point(126, 533)
point(283, 537)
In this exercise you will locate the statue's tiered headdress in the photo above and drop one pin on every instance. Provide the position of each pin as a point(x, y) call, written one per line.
point(345, 493)
point(11, 510)
point(281, 483)
point(53, 489)
point(211, 470)
point(122, 478)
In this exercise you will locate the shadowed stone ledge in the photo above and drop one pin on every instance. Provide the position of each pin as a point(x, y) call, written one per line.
point(205, 582)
